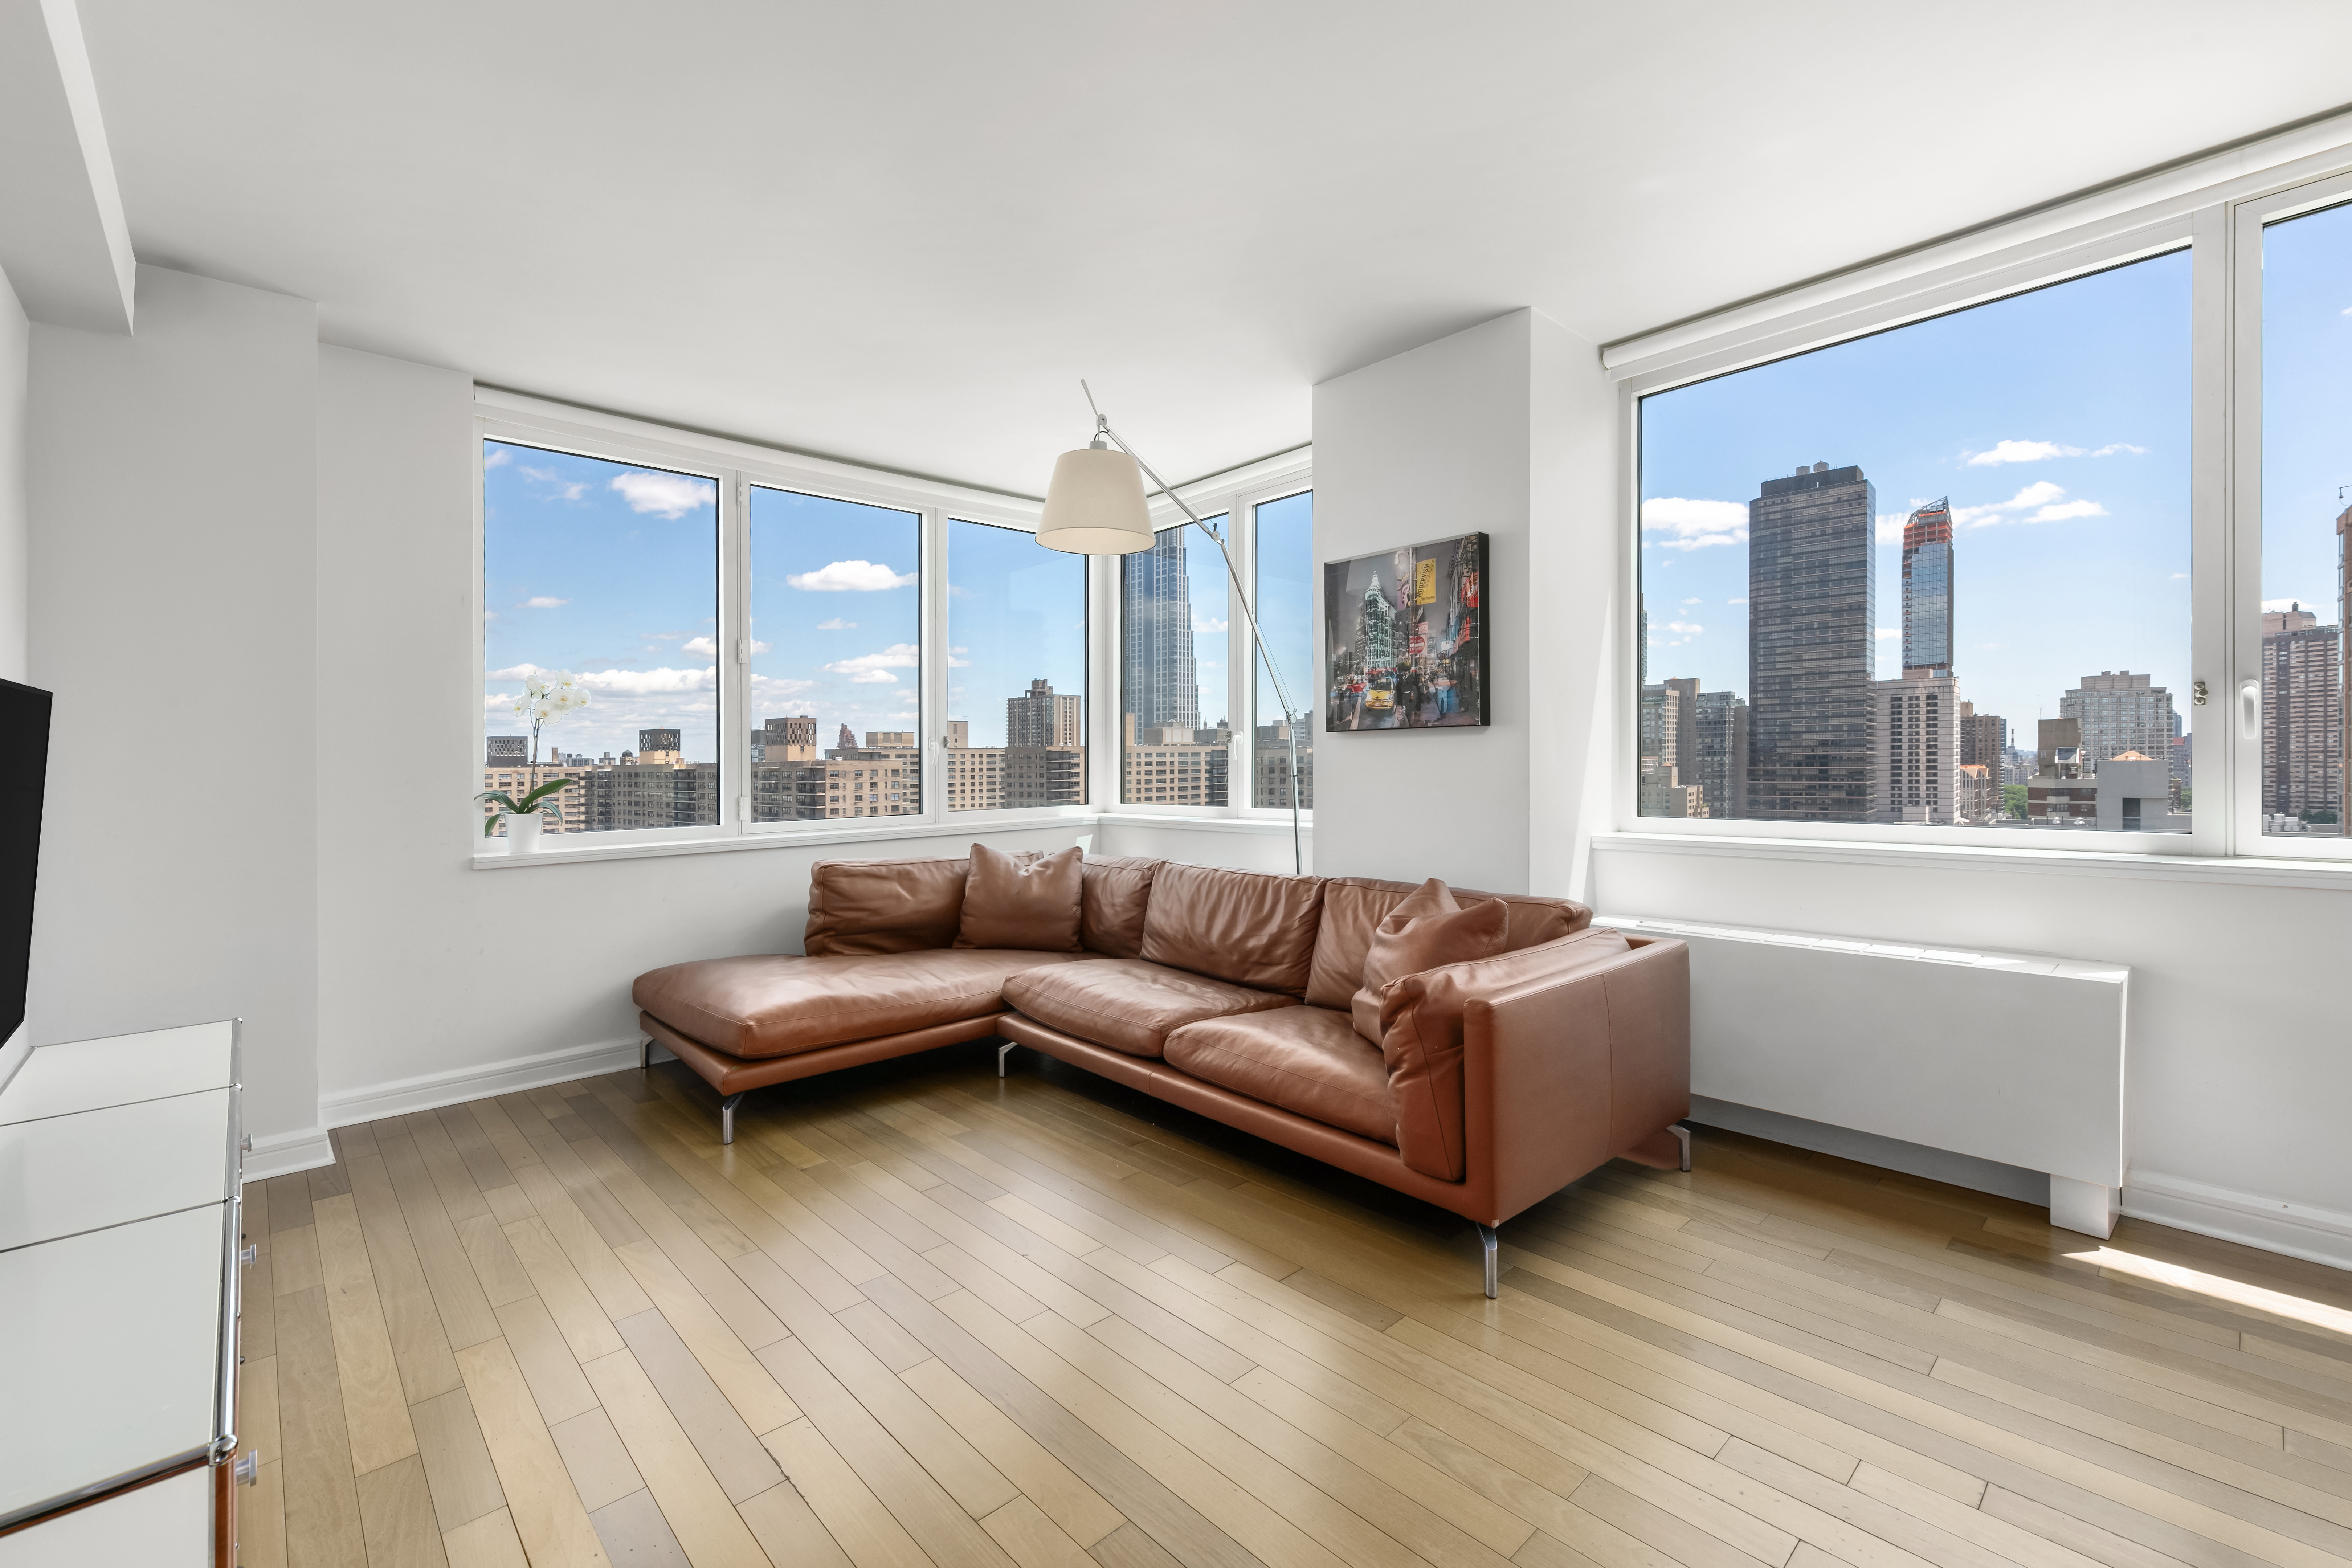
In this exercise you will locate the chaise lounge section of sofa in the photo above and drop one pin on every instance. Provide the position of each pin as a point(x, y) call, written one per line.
point(1494, 1082)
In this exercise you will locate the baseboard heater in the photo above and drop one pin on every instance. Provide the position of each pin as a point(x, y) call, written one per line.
point(2007, 1058)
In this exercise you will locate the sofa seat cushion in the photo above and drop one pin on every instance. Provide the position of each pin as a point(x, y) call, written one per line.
point(1129, 1004)
point(1310, 1060)
point(775, 1005)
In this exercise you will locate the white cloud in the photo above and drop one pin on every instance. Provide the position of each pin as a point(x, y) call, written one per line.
point(2112, 448)
point(2180, 576)
point(2041, 493)
point(1694, 601)
point(772, 689)
point(1883, 632)
point(2059, 514)
point(955, 663)
point(498, 459)
point(836, 624)
point(1199, 625)
point(849, 577)
point(564, 489)
point(671, 495)
point(2274, 606)
point(1686, 627)
point(648, 682)
point(2020, 452)
point(1889, 527)
point(1694, 524)
point(874, 669)
point(544, 603)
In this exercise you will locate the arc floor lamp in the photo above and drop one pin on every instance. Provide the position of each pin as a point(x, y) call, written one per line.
point(1095, 505)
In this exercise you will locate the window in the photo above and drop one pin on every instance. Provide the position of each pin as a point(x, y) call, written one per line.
point(605, 574)
point(1969, 606)
point(1285, 602)
point(1173, 668)
point(1016, 682)
point(835, 667)
point(2306, 480)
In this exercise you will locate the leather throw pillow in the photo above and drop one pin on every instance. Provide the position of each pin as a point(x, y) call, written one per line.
point(1023, 901)
point(1427, 930)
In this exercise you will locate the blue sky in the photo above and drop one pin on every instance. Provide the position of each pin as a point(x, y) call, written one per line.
point(2306, 404)
point(1286, 601)
point(1016, 613)
point(2056, 421)
point(837, 615)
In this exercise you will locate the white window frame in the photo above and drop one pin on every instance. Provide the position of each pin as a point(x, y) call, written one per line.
point(2214, 208)
point(1236, 494)
point(737, 466)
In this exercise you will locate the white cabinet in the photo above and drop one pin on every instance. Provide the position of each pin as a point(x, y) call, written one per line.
point(119, 1235)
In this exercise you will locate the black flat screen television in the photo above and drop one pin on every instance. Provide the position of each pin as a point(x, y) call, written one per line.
point(24, 720)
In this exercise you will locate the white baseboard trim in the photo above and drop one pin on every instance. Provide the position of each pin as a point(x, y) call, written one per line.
point(430, 1091)
point(2298, 1230)
point(283, 1153)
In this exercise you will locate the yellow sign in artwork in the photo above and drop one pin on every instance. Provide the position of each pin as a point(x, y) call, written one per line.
point(1424, 582)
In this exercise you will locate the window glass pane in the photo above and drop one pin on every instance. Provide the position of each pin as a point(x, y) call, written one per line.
point(604, 576)
point(2306, 480)
point(1968, 606)
point(1016, 672)
point(1175, 741)
point(836, 660)
point(1285, 608)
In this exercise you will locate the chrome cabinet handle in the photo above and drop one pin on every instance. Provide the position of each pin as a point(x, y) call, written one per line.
point(247, 1469)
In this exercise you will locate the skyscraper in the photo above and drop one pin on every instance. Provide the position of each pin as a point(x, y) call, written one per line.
point(2303, 716)
point(1722, 767)
point(1812, 609)
point(1927, 589)
point(1915, 748)
point(1984, 743)
point(2120, 712)
point(1159, 682)
point(1040, 718)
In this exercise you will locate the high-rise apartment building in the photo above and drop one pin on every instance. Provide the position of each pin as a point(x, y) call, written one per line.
point(1721, 770)
point(1158, 680)
point(790, 740)
point(508, 752)
point(2303, 716)
point(1039, 717)
point(1984, 743)
point(1173, 766)
point(2119, 713)
point(1915, 749)
point(2062, 792)
point(1811, 612)
point(1273, 761)
point(1927, 589)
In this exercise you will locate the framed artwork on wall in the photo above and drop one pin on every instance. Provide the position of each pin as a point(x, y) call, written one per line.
point(1404, 639)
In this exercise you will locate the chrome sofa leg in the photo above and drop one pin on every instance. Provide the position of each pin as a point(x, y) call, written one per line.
point(1004, 1051)
point(1682, 1136)
point(1494, 1246)
point(727, 1115)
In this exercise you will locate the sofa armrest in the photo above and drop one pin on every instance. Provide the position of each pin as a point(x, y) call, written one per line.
point(1561, 1073)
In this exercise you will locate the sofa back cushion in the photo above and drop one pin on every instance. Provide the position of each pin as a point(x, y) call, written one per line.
point(1421, 1040)
point(1111, 904)
point(1247, 927)
point(1024, 900)
point(1354, 906)
point(884, 906)
point(1424, 932)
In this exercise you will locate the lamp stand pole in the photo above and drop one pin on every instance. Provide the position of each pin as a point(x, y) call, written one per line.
point(1289, 719)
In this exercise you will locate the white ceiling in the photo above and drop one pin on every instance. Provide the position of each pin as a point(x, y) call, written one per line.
point(900, 233)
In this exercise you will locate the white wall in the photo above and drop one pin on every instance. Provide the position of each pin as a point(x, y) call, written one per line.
point(1499, 429)
point(16, 356)
point(173, 613)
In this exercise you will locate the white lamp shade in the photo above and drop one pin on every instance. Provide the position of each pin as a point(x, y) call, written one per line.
point(1095, 505)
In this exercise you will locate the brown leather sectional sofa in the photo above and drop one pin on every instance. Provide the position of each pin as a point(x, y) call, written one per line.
point(1230, 992)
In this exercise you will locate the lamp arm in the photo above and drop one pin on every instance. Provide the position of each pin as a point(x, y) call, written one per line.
point(1240, 597)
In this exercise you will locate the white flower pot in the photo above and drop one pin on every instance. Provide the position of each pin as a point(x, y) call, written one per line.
point(522, 833)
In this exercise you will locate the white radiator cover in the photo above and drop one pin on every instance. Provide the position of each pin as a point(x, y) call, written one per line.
point(2009, 1057)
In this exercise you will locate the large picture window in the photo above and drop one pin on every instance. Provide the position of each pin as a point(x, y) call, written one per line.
point(602, 578)
point(1175, 738)
point(1017, 730)
point(836, 659)
point(1939, 575)
point(1285, 614)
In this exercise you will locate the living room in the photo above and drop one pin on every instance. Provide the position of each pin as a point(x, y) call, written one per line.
point(514, 497)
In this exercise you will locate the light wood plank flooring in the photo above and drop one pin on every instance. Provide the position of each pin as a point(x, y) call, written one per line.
point(919, 1315)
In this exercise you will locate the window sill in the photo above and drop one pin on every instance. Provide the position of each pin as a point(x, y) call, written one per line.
point(554, 852)
point(2255, 870)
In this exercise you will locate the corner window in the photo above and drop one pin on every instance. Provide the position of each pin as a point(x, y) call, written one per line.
point(1016, 726)
point(1937, 576)
point(1285, 601)
point(1175, 734)
point(600, 579)
point(834, 681)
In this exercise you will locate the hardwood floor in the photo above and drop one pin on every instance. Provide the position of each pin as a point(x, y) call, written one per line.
point(919, 1315)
